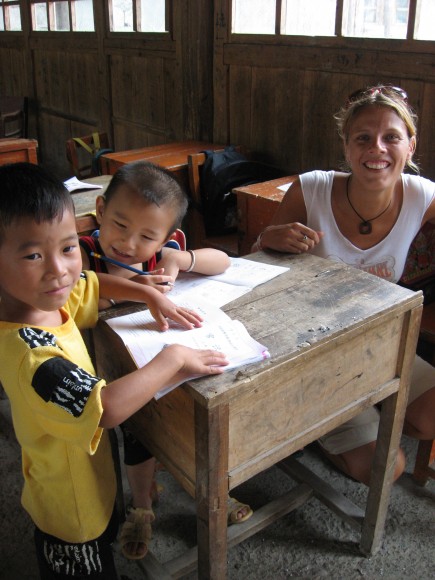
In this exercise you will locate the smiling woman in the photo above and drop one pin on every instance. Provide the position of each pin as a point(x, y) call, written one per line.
point(366, 218)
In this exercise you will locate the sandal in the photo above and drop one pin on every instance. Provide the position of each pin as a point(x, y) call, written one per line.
point(234, 506)
point(136, 530)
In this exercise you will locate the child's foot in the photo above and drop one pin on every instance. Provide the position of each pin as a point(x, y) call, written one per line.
point(238, 512)
point(136, 533)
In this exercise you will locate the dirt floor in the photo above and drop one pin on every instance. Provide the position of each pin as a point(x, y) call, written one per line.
point(311, 542)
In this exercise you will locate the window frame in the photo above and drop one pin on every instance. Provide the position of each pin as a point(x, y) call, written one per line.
point(4, 5)
point(408, 44)
point(138, 34)
point(50, 10)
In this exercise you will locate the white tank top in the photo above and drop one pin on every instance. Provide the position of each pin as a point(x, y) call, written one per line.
point(387, 258)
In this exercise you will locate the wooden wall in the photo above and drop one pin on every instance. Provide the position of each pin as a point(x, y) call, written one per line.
point(277, 98)
point(141, 92)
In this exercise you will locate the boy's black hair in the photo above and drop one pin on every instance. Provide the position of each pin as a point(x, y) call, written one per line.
point(153, 184)
point(27, 190)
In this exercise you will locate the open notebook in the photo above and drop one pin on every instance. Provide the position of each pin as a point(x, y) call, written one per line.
point(143, 339)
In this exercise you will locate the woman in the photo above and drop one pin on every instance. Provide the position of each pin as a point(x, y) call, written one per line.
point(366, 218)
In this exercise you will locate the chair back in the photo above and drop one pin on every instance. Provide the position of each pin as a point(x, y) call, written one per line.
point(13, 117)
point(86, 224)
point(83, 154)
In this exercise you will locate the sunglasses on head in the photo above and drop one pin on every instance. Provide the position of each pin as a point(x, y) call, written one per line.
point(373, 91)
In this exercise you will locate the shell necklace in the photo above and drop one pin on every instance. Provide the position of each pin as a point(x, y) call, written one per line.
point(365, 227)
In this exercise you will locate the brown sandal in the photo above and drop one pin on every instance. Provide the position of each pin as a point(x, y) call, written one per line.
point(136, 530)
point(234, 506)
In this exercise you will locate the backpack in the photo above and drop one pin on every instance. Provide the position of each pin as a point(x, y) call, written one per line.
point(221, 173)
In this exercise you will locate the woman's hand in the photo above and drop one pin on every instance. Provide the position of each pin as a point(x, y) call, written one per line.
point(293, 238)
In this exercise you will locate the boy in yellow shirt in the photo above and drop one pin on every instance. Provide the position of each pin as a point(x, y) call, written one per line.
point(61, 410)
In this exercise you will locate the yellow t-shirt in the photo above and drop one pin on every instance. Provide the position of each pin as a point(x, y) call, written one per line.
point(69, 478)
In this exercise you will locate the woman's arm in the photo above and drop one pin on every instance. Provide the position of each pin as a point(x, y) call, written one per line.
point(429, 216)
point(289, 232)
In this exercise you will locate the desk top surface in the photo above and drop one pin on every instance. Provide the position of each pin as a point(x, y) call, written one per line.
point(84, 199)
point(315, 301)
point(266, 189)
point(9, 143)
point(169, 155)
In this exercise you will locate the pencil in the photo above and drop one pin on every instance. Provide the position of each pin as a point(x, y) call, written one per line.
point(120, 264)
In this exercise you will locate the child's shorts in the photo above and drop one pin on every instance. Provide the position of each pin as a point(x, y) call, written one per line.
point(363, 428)
point(93, 560)
point(134, 451)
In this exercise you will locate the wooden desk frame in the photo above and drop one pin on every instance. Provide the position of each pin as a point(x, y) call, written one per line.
point(212, 434)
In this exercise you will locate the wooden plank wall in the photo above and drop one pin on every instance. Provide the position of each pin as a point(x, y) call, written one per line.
point(278, 98)
point(275, 97)
point(142, 92)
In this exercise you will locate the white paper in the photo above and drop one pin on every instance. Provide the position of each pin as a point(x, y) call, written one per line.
point(240, 278)
point(285, 186)
point(144, 341)
point(73, 184)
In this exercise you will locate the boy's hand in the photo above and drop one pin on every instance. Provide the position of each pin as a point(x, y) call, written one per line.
point(156, 280)
point(196, 362)
point(169, 262)
point(162, 308)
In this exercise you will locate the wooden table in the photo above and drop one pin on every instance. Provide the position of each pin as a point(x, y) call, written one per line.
point(84, 199)
point(18, 150)
point(171, 156)
point(340, 340)
point(256, 206)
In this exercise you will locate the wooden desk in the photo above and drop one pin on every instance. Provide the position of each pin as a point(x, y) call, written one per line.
point(340, 340)
point(17, 150)
point(172, 156)
point(256, 206)
point(84, 199)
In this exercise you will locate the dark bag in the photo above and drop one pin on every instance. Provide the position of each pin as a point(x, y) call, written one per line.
point(221, 173)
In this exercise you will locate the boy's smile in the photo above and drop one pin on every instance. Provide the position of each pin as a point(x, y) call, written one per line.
point(132, 230)
point(40, 264)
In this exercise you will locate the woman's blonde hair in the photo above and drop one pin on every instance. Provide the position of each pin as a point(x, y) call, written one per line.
point(387, 96)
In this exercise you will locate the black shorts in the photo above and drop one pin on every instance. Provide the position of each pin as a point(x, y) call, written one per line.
point(93, 560)
point(134, 451)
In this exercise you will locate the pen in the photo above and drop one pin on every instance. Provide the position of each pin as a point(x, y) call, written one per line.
point(126, 266)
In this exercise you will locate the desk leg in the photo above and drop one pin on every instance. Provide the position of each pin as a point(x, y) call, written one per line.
point(211, 441)
point(390, 431)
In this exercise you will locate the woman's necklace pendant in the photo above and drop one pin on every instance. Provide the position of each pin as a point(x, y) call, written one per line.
point(365, 228)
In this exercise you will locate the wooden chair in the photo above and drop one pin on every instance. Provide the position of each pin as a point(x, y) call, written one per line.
point(86, 224)
point(83, 154)
point(426, 349)
point(419, 274)
point(13, 117)
point(425, 458)
point(197, 234)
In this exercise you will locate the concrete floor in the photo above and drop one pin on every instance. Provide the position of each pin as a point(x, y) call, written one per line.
point(310, 542)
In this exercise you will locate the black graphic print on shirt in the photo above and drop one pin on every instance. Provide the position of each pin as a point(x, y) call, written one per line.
point(58, 380)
